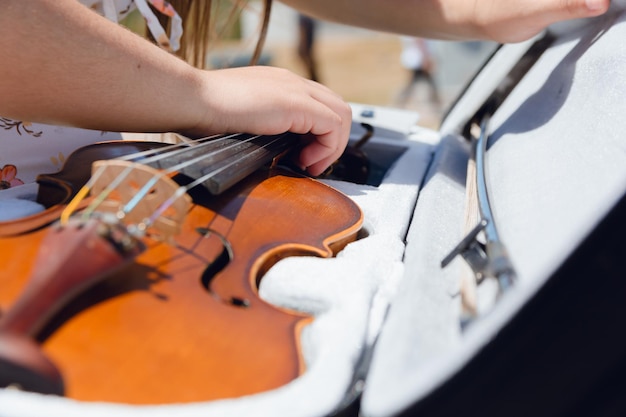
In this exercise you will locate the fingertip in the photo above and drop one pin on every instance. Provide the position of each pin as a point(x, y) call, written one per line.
point(597, 6)
point(317, 169)
point(314, 163)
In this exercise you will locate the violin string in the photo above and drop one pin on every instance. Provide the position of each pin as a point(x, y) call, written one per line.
point(146, 188)
point(157, 155)
point(234, 162)
point(107, 191)
point(80, 196)
point(72, 206)
point(169, 149)
point(183, 189)
point(177, 168)
point(190, 162)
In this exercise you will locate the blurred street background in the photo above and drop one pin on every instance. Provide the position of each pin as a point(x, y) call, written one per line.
point(362, 66)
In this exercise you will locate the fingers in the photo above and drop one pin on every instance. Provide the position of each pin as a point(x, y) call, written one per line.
point(557, 10)
point(331, 131)
point(521, 19)
point(595, 7)
point(267, 100)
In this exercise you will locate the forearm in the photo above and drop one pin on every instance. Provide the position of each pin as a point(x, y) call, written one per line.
point(63, 64)
point(499, 20)
point(90, 72)
point(427, 18)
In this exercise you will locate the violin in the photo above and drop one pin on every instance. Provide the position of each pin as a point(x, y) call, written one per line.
point(139, 282)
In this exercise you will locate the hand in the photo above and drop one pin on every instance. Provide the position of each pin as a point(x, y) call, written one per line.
point(268, 100)
point(517, 20)
point(498, 20)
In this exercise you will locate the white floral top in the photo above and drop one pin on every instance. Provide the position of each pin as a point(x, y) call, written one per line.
point(28, 149)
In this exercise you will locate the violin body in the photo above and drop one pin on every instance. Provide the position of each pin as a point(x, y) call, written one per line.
point(183, 321)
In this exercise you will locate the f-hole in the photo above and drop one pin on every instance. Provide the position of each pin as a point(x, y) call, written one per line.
point(218, 264)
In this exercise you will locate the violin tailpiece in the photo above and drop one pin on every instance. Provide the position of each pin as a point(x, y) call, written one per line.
point(91, 250)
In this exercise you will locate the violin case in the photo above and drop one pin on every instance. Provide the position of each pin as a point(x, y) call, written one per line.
point(390, 335)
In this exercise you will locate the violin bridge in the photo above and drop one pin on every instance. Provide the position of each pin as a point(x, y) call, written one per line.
point(140, 196)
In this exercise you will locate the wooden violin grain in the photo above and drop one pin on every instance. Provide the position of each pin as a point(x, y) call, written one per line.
point(152, 333)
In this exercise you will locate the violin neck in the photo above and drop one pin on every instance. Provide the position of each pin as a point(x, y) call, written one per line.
point(222, 162)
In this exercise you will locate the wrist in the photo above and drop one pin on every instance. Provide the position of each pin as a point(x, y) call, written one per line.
point(199, 111)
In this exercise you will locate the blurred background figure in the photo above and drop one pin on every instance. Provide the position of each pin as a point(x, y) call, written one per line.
point(417, 57)
point(306, 42)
